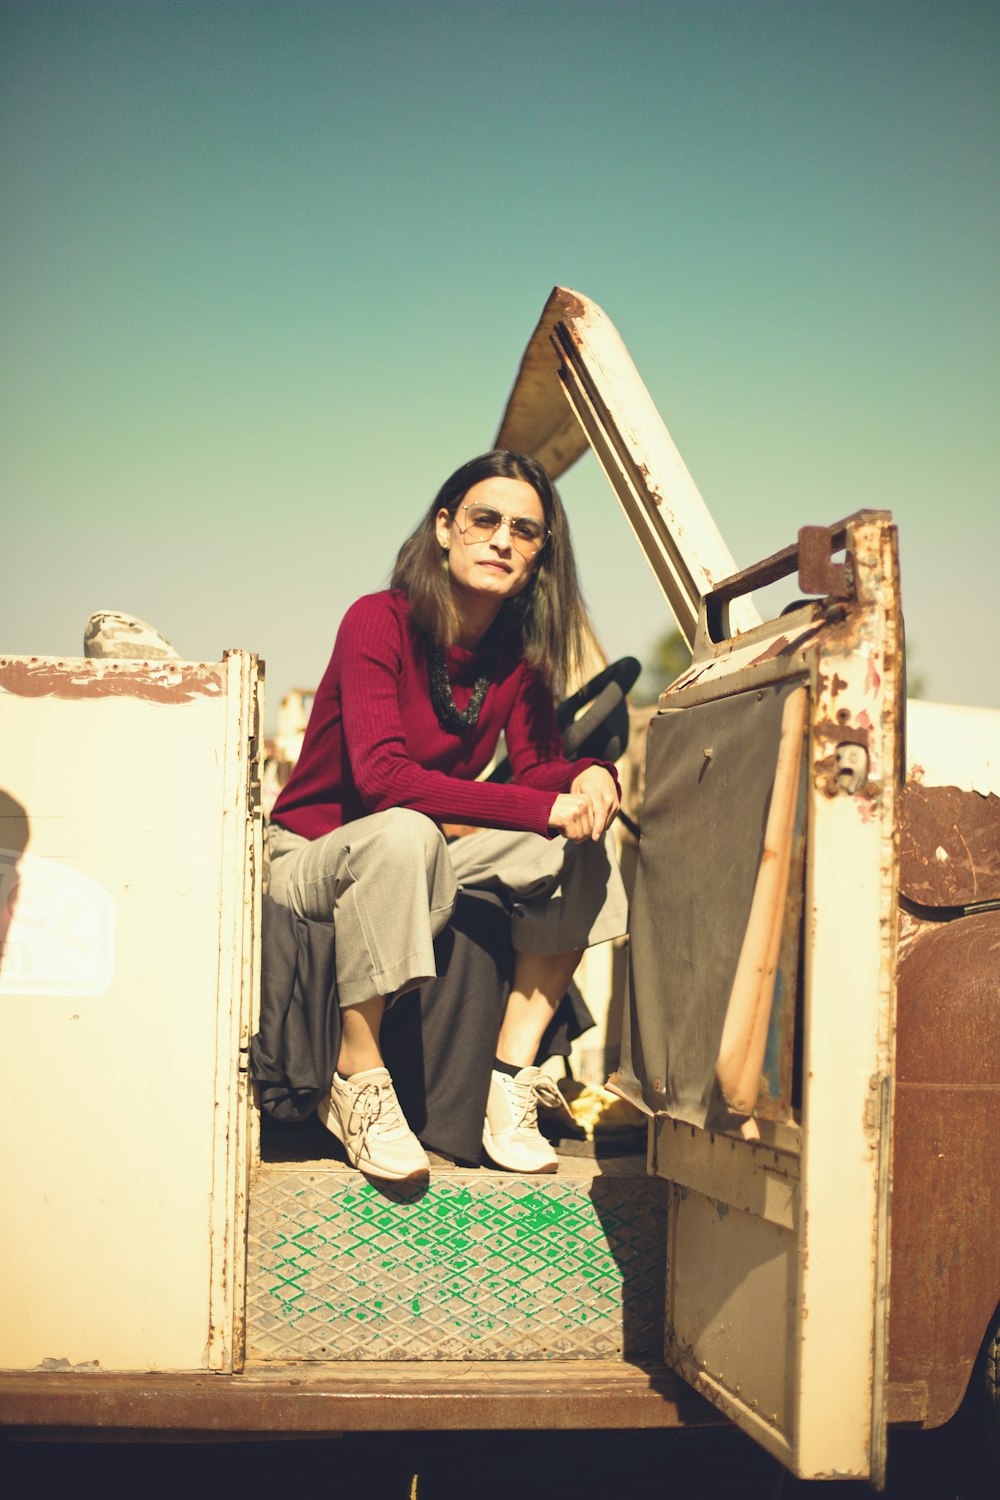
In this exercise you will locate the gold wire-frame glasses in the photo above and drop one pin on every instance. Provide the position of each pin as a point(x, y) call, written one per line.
point(484, 521)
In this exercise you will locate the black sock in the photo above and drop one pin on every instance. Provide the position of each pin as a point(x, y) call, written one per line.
point(511, 1069)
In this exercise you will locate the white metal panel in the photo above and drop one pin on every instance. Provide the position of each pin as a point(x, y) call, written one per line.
point(121, 1114)
point(850, 922)
point(951, 746)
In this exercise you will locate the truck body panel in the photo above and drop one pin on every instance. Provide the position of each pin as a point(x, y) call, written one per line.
point(126, 978)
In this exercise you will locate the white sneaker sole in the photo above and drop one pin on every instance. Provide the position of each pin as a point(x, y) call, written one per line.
point(495, 1154)
point(328, 1117)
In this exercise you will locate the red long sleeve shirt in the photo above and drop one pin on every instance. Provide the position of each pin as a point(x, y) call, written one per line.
point(373, 740)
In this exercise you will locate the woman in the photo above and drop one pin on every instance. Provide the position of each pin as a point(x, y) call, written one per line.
point(482, 622)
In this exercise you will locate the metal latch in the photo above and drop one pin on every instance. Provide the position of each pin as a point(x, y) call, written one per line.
point(818, 573)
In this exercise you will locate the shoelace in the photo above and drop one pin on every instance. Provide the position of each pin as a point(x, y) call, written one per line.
point(527, 1096)
point(374, 1104)
point(547, 1092)
point(524, 1103)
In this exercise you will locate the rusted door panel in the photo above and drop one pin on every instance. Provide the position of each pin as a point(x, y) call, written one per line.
point(945, 1285)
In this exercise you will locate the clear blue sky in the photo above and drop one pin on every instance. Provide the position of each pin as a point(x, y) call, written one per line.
point(267, 269)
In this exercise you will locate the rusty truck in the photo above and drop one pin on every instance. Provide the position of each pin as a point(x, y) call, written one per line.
point(808, 1246)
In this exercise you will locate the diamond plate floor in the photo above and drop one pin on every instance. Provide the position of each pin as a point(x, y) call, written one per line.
point(480, 1265)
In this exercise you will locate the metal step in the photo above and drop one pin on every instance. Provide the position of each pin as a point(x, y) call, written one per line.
point(479, 1265)
point(316, 1400)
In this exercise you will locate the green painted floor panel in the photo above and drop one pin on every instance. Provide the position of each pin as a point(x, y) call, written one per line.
point(480, 1265)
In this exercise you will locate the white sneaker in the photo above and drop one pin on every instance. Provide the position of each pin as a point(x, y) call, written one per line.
point(363, 1112)
point(510, 1131)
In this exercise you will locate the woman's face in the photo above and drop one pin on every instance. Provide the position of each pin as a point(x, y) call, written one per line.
point(497, 563)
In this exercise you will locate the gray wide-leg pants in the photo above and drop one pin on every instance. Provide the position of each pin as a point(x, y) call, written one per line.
point(389, 881)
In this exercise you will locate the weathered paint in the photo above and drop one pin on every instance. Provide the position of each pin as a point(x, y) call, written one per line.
point(135, 1160)
point(951, 746)
point(788, 1333)
point(154, 682)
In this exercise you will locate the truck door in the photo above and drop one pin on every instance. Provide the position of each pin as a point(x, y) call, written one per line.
point(761, 1017)
point(760, 1024)
point(128, 833)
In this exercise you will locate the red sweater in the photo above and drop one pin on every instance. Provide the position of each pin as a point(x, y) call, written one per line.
point(373, 740)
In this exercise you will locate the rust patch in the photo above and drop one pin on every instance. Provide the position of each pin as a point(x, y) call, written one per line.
point(827, 777)
point(159, 682)
point(818, 573)
point(837, 685)
point(652, 490)
point(946, 1170)
point(948, 999)
point(949, 852)
point(572, 305)
point(841, 731)
point(828, 768)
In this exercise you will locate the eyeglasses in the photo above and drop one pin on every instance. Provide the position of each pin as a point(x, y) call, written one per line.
point(484, 521)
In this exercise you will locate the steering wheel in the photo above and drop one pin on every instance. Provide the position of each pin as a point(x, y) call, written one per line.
point(601, 732)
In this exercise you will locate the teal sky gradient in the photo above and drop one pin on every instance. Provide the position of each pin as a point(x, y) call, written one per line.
point(267, 270)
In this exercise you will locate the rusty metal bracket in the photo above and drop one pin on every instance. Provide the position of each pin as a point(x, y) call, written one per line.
point(818, 574)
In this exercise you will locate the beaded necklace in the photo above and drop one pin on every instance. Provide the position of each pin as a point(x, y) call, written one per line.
point(451, 719)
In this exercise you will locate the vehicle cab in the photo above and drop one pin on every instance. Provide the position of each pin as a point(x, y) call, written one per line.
point(808, 1247)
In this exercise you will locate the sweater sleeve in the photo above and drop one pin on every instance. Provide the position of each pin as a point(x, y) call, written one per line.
point(385, 774)
point(535, 745)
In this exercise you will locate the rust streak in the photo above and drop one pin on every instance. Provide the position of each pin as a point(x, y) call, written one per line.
point(972, 862)
point(156, 683)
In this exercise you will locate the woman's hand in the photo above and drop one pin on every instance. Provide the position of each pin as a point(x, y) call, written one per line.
point(588, 809)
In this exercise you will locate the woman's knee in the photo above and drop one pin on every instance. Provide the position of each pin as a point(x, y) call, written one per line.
point(413, 834)
point(395, 864)
point(401, 847)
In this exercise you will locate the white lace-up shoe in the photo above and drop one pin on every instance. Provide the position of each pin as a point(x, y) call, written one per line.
point(364, 1114)
point(510, 1131)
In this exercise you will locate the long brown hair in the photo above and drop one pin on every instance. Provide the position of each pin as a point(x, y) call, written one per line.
point(548, 616)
